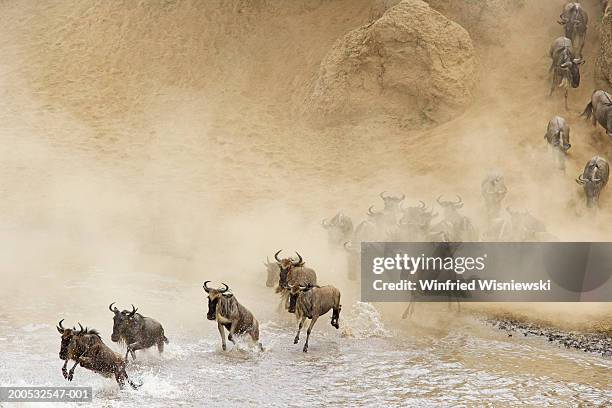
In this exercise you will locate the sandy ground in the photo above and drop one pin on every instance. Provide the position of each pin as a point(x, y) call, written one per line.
point(167, 137)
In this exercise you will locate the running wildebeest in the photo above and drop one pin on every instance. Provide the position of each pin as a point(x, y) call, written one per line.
point(292, 272)
point(374, 228)
point(558, 137)
point(457, 227)
point(391, 210)
point(136, 331)
point(593, 179)
point(574, 20)
point(493, 190)
point(600, 108)
point(353, 260)
point(86, 348)
point(272, 273)
point(415, 224)
point(231, 315)
point(564, 66)
point(312, 302)
point(339, 229)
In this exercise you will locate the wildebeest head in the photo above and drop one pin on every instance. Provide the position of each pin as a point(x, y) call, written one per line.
point(391, 202)
point(571, 19)
point(67, 335)
point(593, 179)
point(214, 295)
point(285, 265)
point(572, 69)
point(339, 227)
point(450, 207)
point(272, 271)
point(493, 187)
point(125, 322)
point(418, 215)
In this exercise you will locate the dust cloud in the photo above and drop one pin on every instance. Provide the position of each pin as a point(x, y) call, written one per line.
point(157, 145)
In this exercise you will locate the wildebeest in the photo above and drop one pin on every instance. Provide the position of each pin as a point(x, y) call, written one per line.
point(493, 190)
point(392, 207)
point(353, 259)
point(374, 228)
point(564, 66)
point(575, 20)
point(558, 137)
point(86, 348)
point(415, 223)
point(593, 179)
point(231, 315)
point(272, 273)
point(525, 227)
point(311, 302)
point(292, 272)
point(136, 331)
point(600, 108)
point(339, 229)
point(457, 227)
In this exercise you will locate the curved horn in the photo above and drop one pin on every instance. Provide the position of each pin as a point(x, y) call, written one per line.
point(133, 311)
point(110, 307)
point(403, 197)
point(438, 200)
point(459, 200)
point(325, 223)
point(581, 179)
point(371, 212)
point(300, 261)
point(82, 329)
point(422, 204)
point(382, 195)
point(205, 286)
point(276, 255)
point(60, 327)
point(224, 290)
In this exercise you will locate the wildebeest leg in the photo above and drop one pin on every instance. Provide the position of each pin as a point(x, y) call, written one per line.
point(553, 82)
point(131, 348)
point(300, 324)
point(566, 107)
point(336, 316)
point(64, 371)
point(312, 323)
point(160, 345)
point(71, 372)
point(222, 333)
point(232, 330)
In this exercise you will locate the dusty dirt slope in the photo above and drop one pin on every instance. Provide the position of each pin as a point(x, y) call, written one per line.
point(174, 128)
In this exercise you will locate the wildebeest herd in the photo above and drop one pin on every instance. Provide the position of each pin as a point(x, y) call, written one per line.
point(297, 286)
point(396, 221)
point(566, 59)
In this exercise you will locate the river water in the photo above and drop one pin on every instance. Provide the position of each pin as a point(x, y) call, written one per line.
point(370, 361)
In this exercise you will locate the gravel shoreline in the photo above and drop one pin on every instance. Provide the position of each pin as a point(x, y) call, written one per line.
point(590, 342)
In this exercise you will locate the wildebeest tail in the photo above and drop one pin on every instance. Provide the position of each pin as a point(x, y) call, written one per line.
point(588, 111)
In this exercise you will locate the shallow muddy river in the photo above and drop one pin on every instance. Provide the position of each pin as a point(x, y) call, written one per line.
point(368, 362)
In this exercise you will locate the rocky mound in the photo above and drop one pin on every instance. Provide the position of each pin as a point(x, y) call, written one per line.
point(412, 64)
point(603, 68)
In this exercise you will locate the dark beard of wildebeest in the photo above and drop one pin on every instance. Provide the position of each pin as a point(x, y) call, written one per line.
point(231, 315)
point(136, 331)
point(311, 302)
point(600, 109)
point(593, 179)
point(86, 348)
point(558, 136)
point(575, 20)
point(564, 66)
point(441, 250)
point(339, 229)
point(293, 272)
